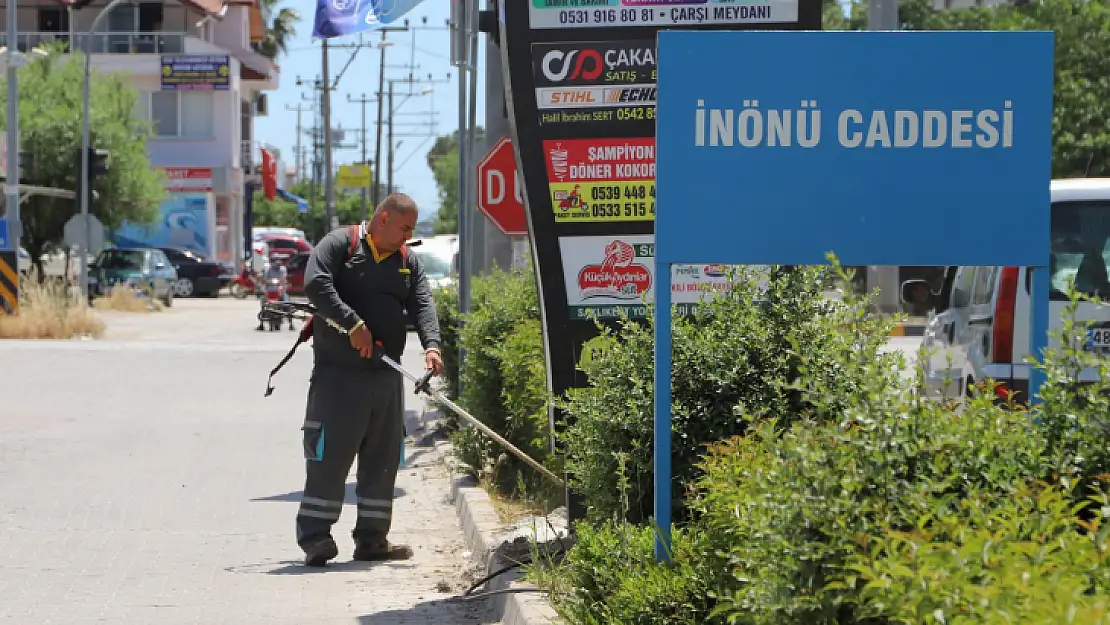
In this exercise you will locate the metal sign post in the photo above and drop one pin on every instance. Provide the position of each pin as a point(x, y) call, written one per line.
point(844, 142)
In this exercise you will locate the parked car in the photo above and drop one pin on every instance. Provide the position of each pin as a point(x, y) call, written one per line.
point(54, 263)
point(283, 247)
point(196, 275)
point(143, 268)
point(257, 232)
point(979, 326)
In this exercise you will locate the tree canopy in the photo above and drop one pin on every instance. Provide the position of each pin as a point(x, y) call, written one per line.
point(1080, 136)
point(443, 159)
point(50, 116)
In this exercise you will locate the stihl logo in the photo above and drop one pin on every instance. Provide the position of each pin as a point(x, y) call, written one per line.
point(558, 65)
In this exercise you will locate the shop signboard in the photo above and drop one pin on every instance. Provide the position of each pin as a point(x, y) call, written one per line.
point(196, 72)
point(187, 179)
point(590, 82)
point(607, 277)
point(568, 14)
point(601, 180)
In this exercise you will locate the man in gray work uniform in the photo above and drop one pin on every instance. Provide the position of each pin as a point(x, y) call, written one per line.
point(361, 288)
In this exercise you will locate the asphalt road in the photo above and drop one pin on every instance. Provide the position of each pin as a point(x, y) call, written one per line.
point(146, 479)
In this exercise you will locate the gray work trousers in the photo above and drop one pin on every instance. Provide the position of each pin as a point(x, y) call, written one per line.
point(351, 412)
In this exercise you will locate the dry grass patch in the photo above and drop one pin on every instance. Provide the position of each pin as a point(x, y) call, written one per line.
point(126, 300)
point(524, 504)
point(50, 311)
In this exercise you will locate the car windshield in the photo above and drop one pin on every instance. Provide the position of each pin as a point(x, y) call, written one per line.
point(127, 260)
point(1080, 249)
point(437, 263)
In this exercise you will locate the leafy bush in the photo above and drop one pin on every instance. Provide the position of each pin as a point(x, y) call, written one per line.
point(1076, 412)
point(446, 300)
point(991, 561)
point(503, 380)
point(610, 577)
point(783, 352)
point(877, 508)
point(784, 512)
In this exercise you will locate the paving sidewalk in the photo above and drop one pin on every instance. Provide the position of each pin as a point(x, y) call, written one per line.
point(150, 482)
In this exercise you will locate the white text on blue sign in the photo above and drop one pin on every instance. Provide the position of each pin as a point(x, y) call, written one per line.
point(752, 126)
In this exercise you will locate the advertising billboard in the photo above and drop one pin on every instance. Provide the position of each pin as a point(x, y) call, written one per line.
point(581, 92)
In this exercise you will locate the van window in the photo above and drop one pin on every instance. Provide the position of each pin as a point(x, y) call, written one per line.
point(961, 291)
point(1080, 233)
point(983, 290)
point(437, 263)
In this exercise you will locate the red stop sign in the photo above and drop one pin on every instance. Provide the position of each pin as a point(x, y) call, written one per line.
point(500, 192)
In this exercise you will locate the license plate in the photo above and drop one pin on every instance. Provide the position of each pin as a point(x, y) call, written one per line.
point(1098, 338)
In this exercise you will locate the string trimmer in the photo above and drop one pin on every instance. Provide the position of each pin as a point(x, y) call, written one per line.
point(307, 312)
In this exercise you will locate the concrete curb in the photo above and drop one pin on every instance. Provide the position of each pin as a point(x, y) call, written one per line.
point(481, 528)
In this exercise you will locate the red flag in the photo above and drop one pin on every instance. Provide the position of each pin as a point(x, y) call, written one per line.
point(269, 174)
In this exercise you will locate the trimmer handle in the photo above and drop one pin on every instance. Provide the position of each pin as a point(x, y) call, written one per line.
point(422, 384)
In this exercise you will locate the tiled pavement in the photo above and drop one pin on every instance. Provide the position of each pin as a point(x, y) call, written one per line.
point(150, 482)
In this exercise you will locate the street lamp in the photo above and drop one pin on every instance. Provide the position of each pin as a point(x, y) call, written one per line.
point(84, 248)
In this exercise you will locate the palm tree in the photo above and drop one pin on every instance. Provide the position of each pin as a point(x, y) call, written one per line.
point(282, 27)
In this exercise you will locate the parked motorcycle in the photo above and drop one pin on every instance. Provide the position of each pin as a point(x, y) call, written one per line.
point(244, 284)
point(273, 295)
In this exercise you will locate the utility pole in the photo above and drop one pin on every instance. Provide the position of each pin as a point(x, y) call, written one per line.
point(329, 173)
point(496, 248)
point(312, 184)
point(389, 188)
point(297, 150)
point(378, 149)
point(11, 177)
point(365, 190)
point(393, 111)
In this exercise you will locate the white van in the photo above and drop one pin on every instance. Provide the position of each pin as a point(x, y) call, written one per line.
point(440, 256)
point(979, 326)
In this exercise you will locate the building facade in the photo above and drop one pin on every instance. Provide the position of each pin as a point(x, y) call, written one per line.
point(200, 84)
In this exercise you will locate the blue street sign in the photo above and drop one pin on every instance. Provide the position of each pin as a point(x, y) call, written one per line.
point(5, 236)
point(884, 148)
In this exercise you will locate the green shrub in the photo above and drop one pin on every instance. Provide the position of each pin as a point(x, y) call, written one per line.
point(989, 561)
point(503, 380)
point(787, 353)
point(446, 299)
point(785, 512)
point(610, 578)
point(1076, 412)
point(877, 508)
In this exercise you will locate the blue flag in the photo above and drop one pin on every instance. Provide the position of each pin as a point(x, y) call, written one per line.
point(337, 18)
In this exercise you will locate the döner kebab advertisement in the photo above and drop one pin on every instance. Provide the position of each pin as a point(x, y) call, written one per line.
point(580, 91)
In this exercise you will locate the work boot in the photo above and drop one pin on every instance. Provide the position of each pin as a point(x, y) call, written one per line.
point(383, 550)
point(319, 551)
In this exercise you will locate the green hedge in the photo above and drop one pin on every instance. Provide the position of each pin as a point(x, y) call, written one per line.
point(446, 299)
point(504, 382)
point(878, 509)
point(785, 352)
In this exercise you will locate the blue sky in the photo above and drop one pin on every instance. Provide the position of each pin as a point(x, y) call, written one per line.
point(431, 53)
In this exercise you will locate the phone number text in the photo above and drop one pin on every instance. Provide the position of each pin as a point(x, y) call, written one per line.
point(593, 202)
point(622, 114)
